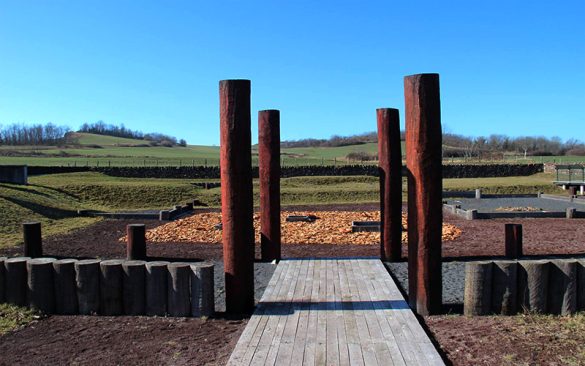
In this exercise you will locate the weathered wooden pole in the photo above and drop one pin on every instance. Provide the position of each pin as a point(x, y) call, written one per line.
point(505, 287)
point(425, 188)
point(87, 281)
point(533, 286)
point(16, 280)
point(136, 242)
point(236, 195)
point(134, 287)
point(269, 173)
point(33, 242)
point(202, 290)
point(156, 288)
point(562, 287)
point(178, 289)
point(111, 288)
point(478, 288)
point(40, 287)
point(390, 168)
point(65, 287)
point(513, 243)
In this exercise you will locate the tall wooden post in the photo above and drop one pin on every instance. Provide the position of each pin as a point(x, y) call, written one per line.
point(390, 168)
point(236, 195)
point(269, 172)
point(425, 215)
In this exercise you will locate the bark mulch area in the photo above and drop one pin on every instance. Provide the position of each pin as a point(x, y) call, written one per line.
point(62, 340)
point(511, 340)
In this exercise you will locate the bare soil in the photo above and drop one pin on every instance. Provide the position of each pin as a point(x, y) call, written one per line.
point(510, 340)
point(134, 340)
point(103, 340)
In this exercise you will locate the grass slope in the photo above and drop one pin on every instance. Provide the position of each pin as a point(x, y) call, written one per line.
point(54, 208)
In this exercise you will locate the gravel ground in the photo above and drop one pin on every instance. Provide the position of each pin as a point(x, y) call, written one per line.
point(262, 274)
point(491, 204)
point(453, 279)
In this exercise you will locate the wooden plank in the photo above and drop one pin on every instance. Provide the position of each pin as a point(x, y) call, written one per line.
point(366, 344)
point(242, 350)
point(310, 347)
point(284, 298)
point(339, 312)
point(390, 349)
point(303, 324)
point(321, 344)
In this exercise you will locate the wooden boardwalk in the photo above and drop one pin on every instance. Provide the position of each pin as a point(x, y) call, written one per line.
point(333, 312)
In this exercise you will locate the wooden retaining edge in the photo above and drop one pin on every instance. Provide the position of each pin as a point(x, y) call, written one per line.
point(538, 286)
point(109, 287)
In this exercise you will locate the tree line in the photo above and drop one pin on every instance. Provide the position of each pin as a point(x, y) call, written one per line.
point(37, 134)
point(102, 128)
point(51, 134)
point(455, 145)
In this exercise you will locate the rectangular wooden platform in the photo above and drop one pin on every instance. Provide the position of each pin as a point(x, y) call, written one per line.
point(333, 312)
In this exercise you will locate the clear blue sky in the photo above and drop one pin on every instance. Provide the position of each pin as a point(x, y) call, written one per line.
point(510, 67)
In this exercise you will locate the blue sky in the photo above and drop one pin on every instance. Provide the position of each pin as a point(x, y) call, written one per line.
point(508, 67)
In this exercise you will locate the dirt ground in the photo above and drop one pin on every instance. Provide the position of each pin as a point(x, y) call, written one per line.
point(133, 340)
point(510, 340)
point(104, 340)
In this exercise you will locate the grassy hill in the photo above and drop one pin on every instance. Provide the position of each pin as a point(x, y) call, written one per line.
point(98, 150)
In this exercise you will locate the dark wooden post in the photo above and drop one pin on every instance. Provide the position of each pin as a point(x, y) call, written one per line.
point(390, 168)
point(33, 242)
point(236, 195)
point(269, 173)
point(513, 233)
point(425, 186)
point(136, 242)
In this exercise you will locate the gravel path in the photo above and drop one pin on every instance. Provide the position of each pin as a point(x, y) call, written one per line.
point(262, 274)
point(492, 204)
point(453, 279)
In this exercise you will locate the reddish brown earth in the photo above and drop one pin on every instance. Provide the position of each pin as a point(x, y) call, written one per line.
point(510, 340)
point(105, 340)
point(133, 340)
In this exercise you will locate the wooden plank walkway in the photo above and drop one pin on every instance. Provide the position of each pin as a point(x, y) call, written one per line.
point(333, 312)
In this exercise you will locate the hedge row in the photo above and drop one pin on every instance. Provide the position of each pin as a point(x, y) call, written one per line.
point(449, 171)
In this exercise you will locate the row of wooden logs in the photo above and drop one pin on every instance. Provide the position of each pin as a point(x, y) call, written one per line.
point(508, 287)
point(109, 287)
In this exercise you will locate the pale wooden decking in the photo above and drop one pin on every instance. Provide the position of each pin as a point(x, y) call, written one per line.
point(333, 312)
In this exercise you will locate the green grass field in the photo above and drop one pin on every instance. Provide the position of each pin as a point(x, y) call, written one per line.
point(115, 151)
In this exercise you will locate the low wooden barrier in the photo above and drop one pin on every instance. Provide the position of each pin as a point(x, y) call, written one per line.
point(508, 287)
point(108, 287)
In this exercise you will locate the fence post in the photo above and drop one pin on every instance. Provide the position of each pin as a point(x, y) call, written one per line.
point(136, 242)
point(33, 242)
point(269, 174)
point(236, 195)
point(513, 241)
point(425, 187)
point(390, 169)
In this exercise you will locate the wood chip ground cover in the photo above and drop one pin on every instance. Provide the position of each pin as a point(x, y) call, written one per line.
point(331, 227)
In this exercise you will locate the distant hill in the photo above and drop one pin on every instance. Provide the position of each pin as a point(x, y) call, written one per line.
point(82, 138)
